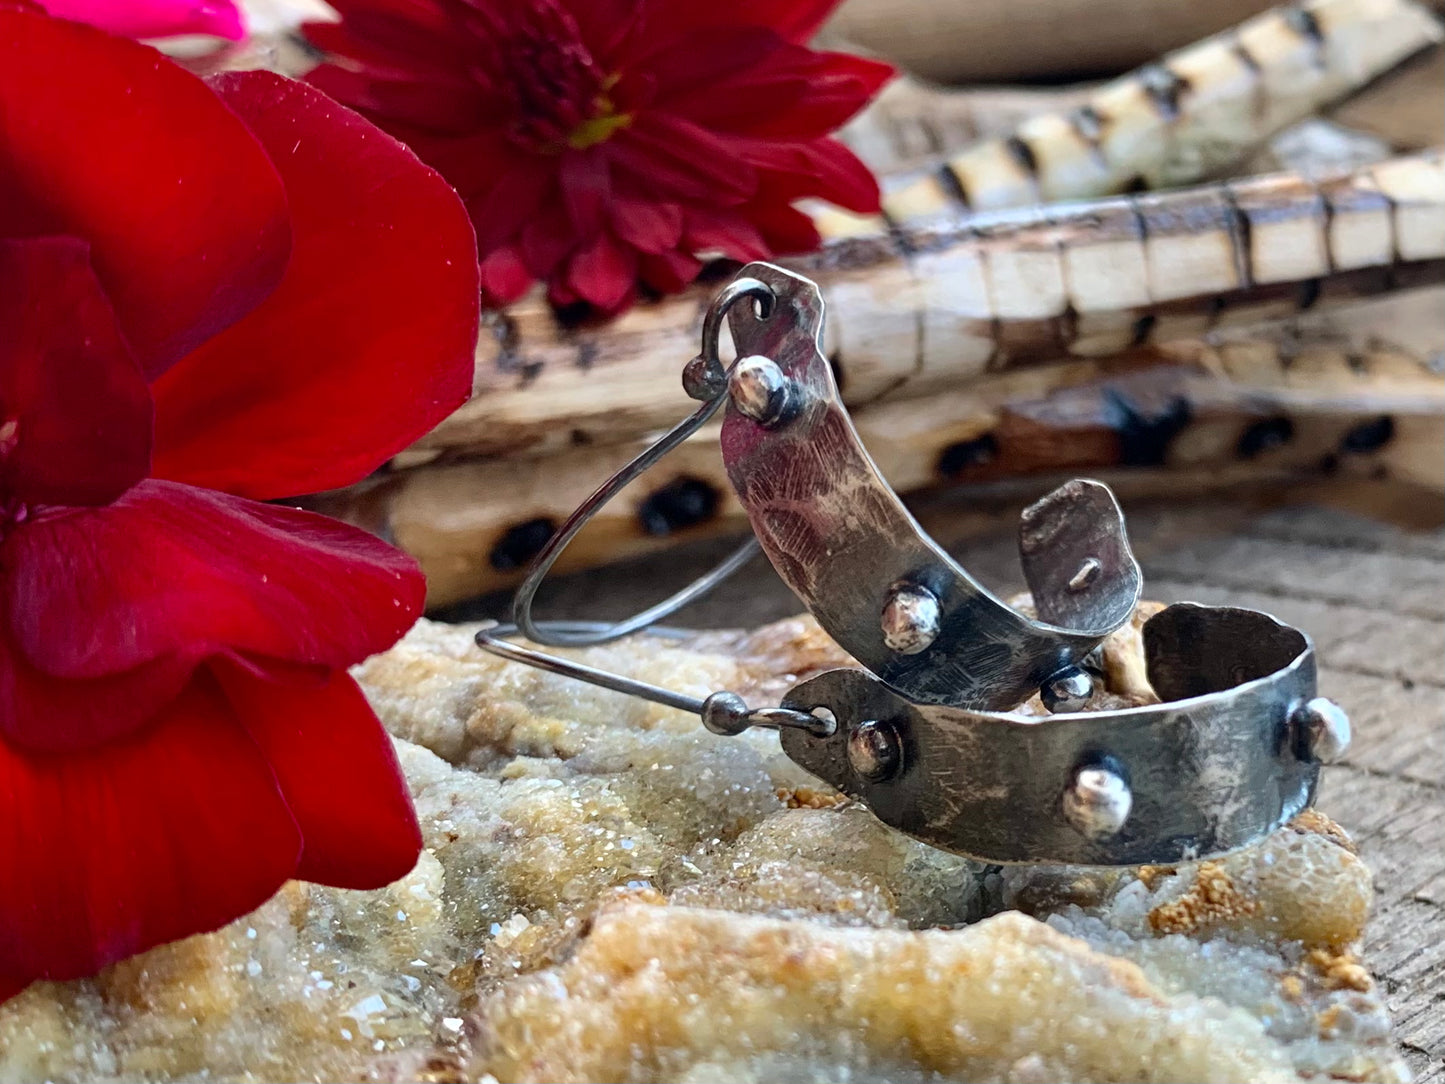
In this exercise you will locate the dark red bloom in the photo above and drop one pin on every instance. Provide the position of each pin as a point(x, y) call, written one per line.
point(599, 143)
point(210, 295)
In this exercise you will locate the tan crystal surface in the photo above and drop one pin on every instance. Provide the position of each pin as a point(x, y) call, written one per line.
point(611, 893)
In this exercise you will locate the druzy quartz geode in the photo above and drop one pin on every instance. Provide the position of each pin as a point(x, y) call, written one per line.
point(611, 893)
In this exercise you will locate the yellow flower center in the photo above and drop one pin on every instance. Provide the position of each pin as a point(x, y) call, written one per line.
point(597, 130)
point(603, 124)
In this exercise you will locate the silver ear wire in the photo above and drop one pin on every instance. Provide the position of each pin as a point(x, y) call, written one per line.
point(705, 379)
point(722, 712)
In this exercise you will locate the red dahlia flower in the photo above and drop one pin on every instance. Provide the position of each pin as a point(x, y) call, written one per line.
point(602, 142)
point(207, 294)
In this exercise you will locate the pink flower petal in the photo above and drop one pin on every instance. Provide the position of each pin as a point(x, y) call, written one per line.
point(155, 18)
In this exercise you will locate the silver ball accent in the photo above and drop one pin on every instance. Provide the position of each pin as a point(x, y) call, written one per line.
point(1097, 802)
point(726, 713)
point(762, 391)
point(874, 751)
point(1068, 690)
point(911, 620)
point(702, 381)
point(1324, 728)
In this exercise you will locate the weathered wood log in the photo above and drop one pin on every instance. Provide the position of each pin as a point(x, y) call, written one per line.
point(1191, 115)
point(1189, 415)
point(913, 125)
point(945, 298)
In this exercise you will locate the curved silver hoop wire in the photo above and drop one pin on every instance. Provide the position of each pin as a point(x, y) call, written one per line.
point(705, 379)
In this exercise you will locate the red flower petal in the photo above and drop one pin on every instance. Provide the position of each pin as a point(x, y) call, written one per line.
point(676, 161)
point(606, 24)
point(174, 830)
point(184, 214)
point(668, 272)
point(75, 412)
point(43, 713)
point(170, 569)
point(794, 20)
point(824, 169)
point(731, 234)
point(648, 227)
point(502, 203)
point(785, 228)
point(367, 343)
point(396, 39)
point(709, 59)
point(546, 241)
point(798, 94)
point(586, 191)
point(504, 276)
point(603, 273)
point(337, 769)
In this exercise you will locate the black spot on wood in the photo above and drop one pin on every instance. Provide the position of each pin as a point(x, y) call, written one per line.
point(1143, 328)
point(504, 330)
point(959, 457)
point(1241, 238)
point(586, 354)
point(1246, 57)
point(1369, 436)
point(1309, 294)
point(1163, 88)
point(953, 184)
point(680, 504)
point(1023, 154)
point(1089, 123)
point(1303, 22)
point(1264, 435)
point(1145, 432)
point(1135, 185)
point(521, 543)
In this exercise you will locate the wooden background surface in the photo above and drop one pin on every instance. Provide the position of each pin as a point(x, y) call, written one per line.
point(1369, 593)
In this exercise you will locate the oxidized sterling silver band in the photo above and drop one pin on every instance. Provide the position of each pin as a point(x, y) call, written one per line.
point(843, 541)
point(1231, 754)
point(924, 736)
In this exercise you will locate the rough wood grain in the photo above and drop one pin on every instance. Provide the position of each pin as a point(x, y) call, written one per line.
point(1190, 115)
point(1370, 595)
